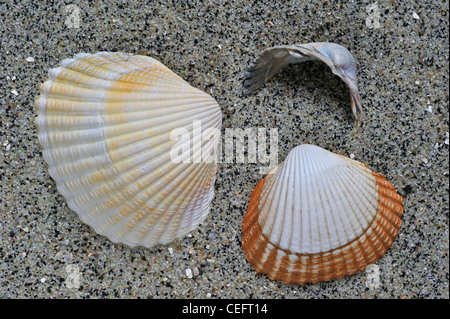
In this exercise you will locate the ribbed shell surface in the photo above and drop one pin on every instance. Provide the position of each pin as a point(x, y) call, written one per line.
point(105, 122)
point(319, 216)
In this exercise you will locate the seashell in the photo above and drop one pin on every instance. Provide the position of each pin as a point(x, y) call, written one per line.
point(319, 216)
point(338, 58)
point(105, 123)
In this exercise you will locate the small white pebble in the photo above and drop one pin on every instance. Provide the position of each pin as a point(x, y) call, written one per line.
point(5, 143)
point(189, 273)
point(425, 160)
point(416, 16)
point(189, 235)
point(210, 260)
point(43, 280)
point(30, 59)
point(195, 271)
point(417, 82)
point(446, 142)
point(430, 109)
point(207, 246)
point(208, 295)
point(8, 147)
point(15, 92)
point(170, 251)
point(352, 156)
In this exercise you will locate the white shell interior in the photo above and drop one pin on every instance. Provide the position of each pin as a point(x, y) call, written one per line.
point(317, 201)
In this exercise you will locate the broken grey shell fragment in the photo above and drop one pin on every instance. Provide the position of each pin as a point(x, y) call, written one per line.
point(339, 59)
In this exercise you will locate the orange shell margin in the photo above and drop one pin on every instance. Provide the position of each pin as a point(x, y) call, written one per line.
point(280, 264)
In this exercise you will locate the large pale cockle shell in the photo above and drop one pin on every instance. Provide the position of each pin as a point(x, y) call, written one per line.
point(339, 59)
point(105, 122)
point(319, 216)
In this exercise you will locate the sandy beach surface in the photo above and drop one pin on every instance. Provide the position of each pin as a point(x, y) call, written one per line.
point(402, 53)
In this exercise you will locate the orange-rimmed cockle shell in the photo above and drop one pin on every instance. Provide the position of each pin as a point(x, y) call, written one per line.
point(319, 216)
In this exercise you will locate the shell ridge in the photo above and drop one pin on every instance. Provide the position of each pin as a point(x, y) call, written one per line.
point(190, 190)
point(70, 185)
point(375, 239)
point(369, 181)
point(334, 210)
point(205, 171)
point(366, 225)
point(40, 122)
point(130, 205)
point(158, 129)
point(112, 124)
point(117, 186)
point(91, 65)
point(141, 188)
point(328, 219)
point(305, 221)
point(85, 94)
point(249, 222)
point(182, 104)
point(270, 217)
point(264, 216)
point(286, 223)
point(54, 105)
point(107, 62)
point(317, 166)
point(347, 179)
point(63, 154)
point(253, 228)
point(370, 194)
point(281, 220)
point(309, 207)
point(296, 217)
point(338, 220)
point(101, 188)
point(133, 62)
point(63, 90)
point(390, 216)
point(102, 159)
point(62, 136)
point(268, 187)
point(88, 173)
point(65, 77)
point(193, 220)
point(174, 171)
